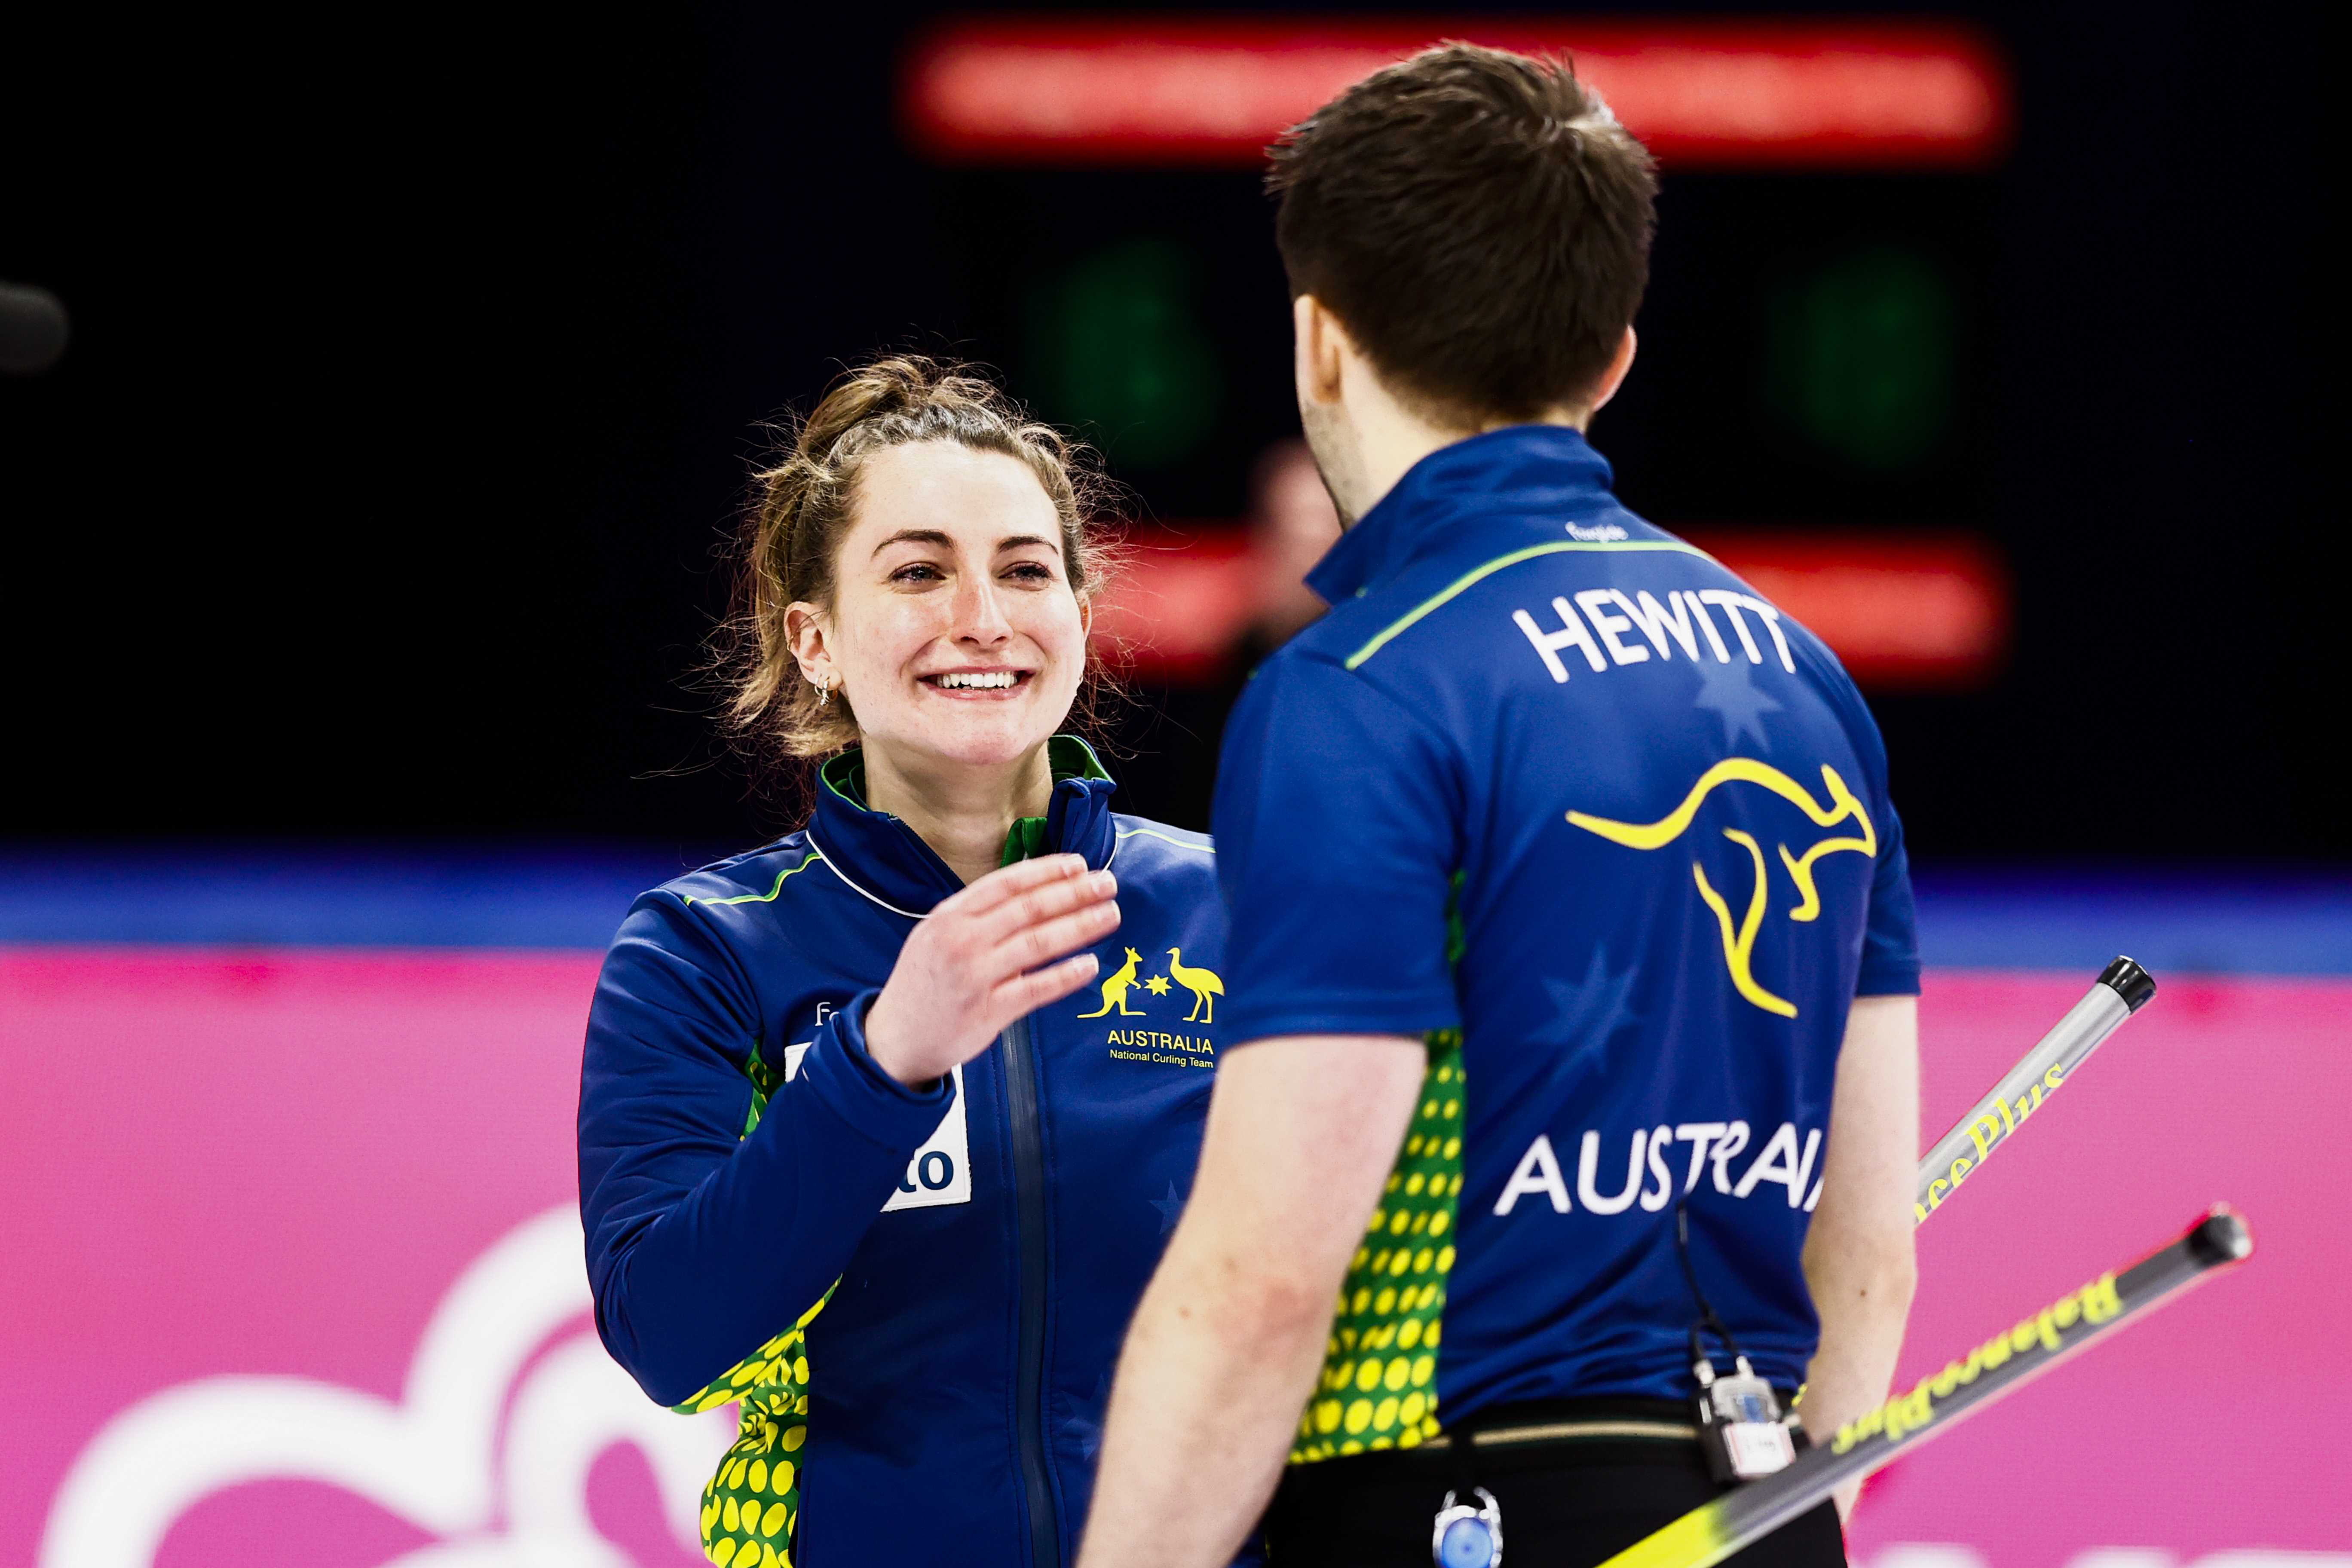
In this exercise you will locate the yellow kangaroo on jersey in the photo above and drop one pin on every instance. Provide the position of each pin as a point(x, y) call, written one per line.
point(1115, 989)
point(1739, 939)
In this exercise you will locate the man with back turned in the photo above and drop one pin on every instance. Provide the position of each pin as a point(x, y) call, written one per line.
point(1573, 930)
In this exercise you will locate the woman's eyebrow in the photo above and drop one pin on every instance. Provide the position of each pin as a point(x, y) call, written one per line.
point(935, 536)
point(916, 536)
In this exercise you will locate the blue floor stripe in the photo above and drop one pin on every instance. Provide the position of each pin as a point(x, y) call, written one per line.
point(2174, 922)
point(326, 897)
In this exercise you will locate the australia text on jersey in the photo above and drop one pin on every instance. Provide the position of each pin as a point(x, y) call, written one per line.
point(1650, 1178)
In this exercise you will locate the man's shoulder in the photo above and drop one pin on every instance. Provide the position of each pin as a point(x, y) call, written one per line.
point(1453, 605)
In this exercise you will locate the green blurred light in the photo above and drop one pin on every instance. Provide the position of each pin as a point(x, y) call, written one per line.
point(1860, 356)
point(1119, 346)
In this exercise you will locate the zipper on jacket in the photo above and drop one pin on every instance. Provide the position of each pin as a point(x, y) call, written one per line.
point(1029, 1380)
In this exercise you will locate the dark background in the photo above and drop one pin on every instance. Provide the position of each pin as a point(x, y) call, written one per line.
point(419, 358)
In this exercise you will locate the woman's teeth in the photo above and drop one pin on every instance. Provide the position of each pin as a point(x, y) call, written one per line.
point(995, 679)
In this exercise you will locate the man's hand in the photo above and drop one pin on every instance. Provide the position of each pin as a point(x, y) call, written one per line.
point(1859, 1257)
point(1224, 1350)
point(985, 957)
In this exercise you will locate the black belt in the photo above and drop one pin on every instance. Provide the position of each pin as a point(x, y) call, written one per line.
point(1526, 1435)
point(1549, 1423)
point(1532, 1434)
point(1565, 1471)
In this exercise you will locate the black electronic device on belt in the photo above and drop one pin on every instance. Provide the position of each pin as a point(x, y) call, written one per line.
point(1739, 1425)
point(1738, 1415)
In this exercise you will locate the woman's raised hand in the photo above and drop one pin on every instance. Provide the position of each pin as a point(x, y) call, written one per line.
point(985, 957)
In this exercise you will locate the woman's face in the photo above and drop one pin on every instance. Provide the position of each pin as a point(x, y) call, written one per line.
point(954, 630)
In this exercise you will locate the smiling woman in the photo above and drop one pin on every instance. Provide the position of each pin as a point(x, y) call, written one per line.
point(928, 433)
point(952, 635)
point(851, 1152)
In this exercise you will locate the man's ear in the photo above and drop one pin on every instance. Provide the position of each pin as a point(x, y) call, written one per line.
point(1614, 376)
point(1322, 347)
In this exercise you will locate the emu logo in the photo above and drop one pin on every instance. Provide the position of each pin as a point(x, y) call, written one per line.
point(1739, 940)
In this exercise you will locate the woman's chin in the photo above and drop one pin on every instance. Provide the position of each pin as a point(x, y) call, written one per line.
point(981, 739)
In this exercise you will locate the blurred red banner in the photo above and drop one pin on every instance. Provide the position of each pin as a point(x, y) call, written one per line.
point(1214, 92)
point(1902, 611)
point(1179, 604)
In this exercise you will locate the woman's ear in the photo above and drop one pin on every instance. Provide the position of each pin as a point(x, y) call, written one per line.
point(804, 629)
point(1086, 615)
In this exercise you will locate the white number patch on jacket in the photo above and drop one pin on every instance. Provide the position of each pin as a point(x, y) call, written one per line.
point(940, 1171)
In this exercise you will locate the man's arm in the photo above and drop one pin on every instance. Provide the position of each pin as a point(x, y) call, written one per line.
point(1859, 1257)
point(1223, 1353)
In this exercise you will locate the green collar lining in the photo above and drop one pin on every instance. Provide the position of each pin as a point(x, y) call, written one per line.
point(1068, 757)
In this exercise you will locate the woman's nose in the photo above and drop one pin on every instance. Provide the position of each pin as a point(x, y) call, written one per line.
point(979, 613)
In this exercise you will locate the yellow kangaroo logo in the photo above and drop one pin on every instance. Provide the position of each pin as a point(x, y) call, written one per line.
point(1740, 942)
point(1115, 989)
point(1203, 983)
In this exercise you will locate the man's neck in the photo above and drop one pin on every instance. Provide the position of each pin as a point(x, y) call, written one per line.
point(1390, 440)
point(962, 812)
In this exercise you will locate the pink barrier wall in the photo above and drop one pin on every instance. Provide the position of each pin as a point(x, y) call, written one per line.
point(2195, 1431)
point(292, 1277)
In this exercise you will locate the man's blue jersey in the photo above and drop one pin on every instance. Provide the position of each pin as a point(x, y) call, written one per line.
point(1557, 790)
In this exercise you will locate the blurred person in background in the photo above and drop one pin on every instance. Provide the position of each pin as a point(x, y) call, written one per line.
point(1292, 524)
point(809, 1184)
point(1483, 827)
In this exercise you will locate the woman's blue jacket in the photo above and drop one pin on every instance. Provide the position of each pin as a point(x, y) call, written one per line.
point(917, 1296)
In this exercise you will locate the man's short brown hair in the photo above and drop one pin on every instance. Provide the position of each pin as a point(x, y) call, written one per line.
point(1480, 222)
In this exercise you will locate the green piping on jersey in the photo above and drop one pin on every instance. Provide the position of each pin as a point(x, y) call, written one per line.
point(1439, 598)
point(769, 896)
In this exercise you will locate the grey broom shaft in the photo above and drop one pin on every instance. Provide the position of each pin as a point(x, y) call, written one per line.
point(2066, 1047)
